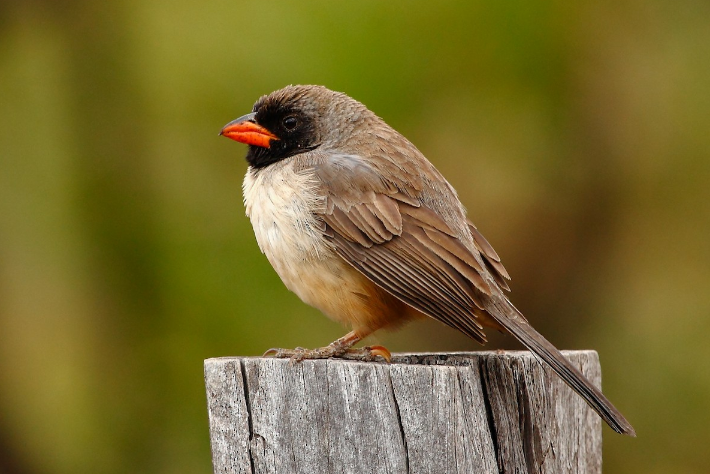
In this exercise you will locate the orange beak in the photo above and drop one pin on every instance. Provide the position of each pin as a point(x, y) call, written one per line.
point(246, 130)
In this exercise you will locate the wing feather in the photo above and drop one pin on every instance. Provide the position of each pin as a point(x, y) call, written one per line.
point(426, 218)
point(405, 247)
point(344, 225)
point(411, 284)
point(456, 283)
point(370, 223)
point(387, 211)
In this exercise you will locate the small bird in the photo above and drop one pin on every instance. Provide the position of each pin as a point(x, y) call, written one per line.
point(360, 225)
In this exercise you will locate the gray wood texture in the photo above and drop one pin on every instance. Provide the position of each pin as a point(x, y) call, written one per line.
point(479, 412)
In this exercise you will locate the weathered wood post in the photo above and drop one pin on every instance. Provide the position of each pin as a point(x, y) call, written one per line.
point(480, 412)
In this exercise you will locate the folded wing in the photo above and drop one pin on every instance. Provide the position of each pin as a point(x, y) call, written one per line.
point(383, 230)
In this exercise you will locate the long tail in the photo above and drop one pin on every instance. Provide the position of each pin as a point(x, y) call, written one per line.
point(510, 318)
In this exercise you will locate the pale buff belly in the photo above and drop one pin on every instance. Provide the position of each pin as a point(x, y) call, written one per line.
point(281, 206)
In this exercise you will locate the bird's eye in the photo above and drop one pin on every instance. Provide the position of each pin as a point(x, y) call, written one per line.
point(290, 122)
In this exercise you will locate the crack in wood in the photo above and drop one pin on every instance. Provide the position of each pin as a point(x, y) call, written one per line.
point(247, 400)
point(327, 415)
point(399, 421)
point(483, 371)
point(528, 434)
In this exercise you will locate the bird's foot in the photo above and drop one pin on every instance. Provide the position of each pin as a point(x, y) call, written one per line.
point(334, 350)
point(368, 354)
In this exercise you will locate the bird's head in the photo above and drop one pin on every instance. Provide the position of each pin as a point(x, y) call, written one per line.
point(297, 119)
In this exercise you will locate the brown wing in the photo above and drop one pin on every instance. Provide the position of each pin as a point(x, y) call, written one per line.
point(386, 233)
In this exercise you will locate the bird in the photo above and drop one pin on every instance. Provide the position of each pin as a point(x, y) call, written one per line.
point(360, 225)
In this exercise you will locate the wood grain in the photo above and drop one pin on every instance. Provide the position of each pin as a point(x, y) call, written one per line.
point(483, 412)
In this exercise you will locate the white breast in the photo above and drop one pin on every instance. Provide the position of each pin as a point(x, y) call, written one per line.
point(281, 204)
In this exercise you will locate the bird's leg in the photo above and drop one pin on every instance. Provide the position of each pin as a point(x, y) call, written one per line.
point(340, 348)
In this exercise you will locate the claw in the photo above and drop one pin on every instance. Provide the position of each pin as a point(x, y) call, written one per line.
point(368, 354)
point(381, 351)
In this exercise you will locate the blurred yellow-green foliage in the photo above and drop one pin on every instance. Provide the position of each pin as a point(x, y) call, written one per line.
point(577, 134)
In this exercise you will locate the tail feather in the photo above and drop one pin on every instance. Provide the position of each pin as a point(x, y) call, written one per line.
point(511, 319)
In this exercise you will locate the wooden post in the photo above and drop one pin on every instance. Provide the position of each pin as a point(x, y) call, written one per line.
point(481, 412)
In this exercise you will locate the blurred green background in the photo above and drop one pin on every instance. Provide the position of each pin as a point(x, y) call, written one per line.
point(578, 136)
